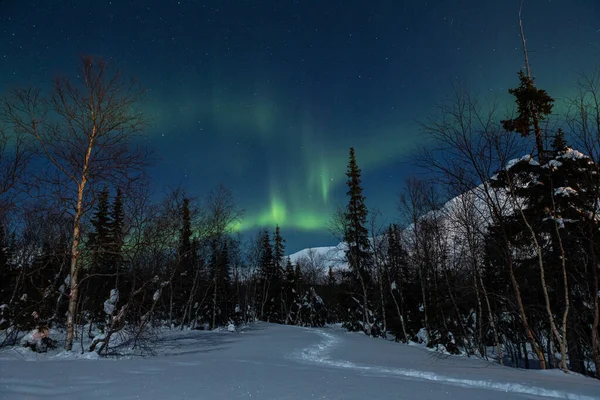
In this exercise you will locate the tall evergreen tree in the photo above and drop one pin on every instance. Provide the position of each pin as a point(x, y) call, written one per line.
point(278, 248)
point(356, 237)
point(290, 294)
point(278, 272)
point(117, 233)
point(182, 280)
point(299, 278)
point(332, 296)
point(185, 236)
point(101, 272)
point(265, 290)
point(100, 237)
point(220, 276)
point(356, 234)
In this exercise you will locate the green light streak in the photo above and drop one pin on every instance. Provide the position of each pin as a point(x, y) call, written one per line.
point(277, 214)
point(325, 181)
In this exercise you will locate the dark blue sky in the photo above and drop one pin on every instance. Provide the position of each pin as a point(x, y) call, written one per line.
point(266, 97)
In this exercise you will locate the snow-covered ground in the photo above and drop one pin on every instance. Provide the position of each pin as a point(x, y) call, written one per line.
point(267, 361)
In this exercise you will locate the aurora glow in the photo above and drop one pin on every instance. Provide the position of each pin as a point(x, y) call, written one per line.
point(266, 97)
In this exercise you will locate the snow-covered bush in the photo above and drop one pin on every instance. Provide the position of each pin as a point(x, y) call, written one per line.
point(39, 339)
point(312, 309)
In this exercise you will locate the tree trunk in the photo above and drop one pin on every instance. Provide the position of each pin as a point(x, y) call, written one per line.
point(187, 314)
point(538, 249)
point(526, 356)
point(214, 310)
point(457, 312)
point(480, 341)
point(419, 263)
point(381, 297)
point(264, 299)
point(367, 325)
point(74, 283)
point(491, 319)
point(398, 310)
point(423, 296)
point(528, 332)
point(171, 303)
point(576, 356)
point(550, 351)
point(73, 296)
point(563, 342)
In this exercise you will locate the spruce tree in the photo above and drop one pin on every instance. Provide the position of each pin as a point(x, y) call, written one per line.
point(299, 278)
point(356, 237)
point(533, 107)
point(101, 272)
point(100, 237)
point(278, 274)
point(220, 276)
point(332, 290)
point(117, 234)
point(356, 234)
point(265, 276)
point(331, 277)
point(185, 237)
point(182, 280)
point(290, 293)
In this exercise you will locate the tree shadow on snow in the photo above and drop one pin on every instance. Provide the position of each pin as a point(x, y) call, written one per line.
point(194, 342)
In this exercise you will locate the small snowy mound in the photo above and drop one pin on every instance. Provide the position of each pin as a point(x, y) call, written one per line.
point(38, 340)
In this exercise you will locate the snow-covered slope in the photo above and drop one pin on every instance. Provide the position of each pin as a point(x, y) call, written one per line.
point(329, 256)
point(282, 362)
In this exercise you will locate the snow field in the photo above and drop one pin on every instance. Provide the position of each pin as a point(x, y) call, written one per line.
point(267, 361)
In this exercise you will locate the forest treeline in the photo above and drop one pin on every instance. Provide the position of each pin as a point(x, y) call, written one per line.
point(507, 269)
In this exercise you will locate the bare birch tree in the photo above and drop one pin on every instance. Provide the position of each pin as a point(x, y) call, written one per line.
point(84, 130)
point(377, 248)
point(412, 207)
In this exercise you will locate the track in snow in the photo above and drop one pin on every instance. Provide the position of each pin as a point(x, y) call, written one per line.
point(319, 354)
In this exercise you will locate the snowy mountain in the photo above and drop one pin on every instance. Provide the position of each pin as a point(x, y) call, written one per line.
point(327, 256)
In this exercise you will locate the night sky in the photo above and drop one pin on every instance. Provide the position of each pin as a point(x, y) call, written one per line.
point(266, 97)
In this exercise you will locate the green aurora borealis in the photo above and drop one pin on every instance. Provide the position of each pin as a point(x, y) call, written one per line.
point(301, 192)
